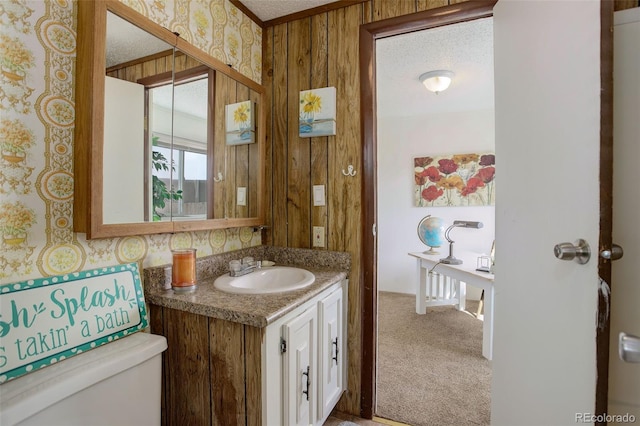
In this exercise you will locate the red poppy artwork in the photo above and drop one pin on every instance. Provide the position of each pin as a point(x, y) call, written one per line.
point(455, 180)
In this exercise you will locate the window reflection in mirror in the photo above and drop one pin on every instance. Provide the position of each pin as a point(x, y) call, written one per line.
point(180, 143)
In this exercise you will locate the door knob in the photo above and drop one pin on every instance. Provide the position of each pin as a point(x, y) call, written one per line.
point(580, 251)
point(629, 347)
point(615, 253)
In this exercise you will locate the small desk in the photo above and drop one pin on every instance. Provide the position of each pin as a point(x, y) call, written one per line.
point(452, 290)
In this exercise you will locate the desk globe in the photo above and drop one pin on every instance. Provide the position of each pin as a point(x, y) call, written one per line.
point(431, 233)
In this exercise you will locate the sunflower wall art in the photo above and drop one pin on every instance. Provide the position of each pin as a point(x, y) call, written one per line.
point(455, 180)
point(240, 123)
point(318, 112)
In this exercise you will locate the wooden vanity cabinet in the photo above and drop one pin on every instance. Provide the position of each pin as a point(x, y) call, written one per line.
point(219, 372)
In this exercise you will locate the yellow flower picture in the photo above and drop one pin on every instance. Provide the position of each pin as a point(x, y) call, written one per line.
point(311, 103)
point(241, 114)
point(317, 112)
point(240, 123)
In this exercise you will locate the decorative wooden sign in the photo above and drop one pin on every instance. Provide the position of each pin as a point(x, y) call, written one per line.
point(47, 320)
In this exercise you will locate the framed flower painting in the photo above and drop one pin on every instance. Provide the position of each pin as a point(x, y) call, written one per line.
point(317, 112)
point(240, 123)
point(455, 180)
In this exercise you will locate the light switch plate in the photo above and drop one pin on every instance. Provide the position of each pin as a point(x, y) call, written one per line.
point(318, 236)
point(242, 196)
point(318, 195)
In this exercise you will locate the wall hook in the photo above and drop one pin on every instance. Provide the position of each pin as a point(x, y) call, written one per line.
point(350, 171)
point(219, 178)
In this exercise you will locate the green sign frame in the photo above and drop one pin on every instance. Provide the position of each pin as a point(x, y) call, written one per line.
point(47, 320)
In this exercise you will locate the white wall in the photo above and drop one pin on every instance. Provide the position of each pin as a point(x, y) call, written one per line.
point(400, 140)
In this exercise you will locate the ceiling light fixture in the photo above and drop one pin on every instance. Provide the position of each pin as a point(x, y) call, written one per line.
point(437, 81)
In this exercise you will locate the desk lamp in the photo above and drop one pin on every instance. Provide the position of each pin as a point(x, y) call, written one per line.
point(451, 259)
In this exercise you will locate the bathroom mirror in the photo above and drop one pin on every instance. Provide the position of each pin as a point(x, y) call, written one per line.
point(157, 160)
point(177, 113)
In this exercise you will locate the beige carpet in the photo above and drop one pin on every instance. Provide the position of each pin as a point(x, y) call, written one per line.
point(430, 367)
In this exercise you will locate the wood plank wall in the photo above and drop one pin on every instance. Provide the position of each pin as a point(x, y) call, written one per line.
point(313, 52)
point(211, 370)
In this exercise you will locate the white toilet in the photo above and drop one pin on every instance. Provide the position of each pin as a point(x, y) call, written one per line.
point(116, 384)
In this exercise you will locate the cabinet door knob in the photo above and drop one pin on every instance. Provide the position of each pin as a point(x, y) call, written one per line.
point(335, 343)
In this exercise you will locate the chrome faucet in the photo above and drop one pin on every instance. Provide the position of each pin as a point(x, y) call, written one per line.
point(239, 268)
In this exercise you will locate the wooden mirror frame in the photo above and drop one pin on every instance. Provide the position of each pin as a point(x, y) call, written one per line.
point(89, 125)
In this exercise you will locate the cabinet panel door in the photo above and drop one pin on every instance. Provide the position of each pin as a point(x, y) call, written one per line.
point(330, 365)
point(299, 369)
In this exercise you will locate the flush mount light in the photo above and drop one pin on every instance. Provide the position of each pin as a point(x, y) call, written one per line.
point(437, 81)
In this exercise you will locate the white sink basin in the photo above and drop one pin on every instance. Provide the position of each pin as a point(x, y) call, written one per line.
point(272, 279)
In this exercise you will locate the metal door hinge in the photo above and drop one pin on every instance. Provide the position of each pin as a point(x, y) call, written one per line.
point(283, 346)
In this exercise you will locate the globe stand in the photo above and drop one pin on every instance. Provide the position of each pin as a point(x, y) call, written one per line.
point(431, 250)
point(430, 230)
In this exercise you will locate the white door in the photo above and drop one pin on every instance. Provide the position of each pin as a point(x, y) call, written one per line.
point(299, 370)
point(547, 106)
point(624, 378)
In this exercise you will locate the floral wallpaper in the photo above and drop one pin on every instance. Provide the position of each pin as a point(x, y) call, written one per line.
point(37, 60)
point(215, 26)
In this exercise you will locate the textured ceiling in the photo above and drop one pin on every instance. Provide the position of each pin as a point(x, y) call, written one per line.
point(189, 98)
point(126, 42)
point(271, 9)
point(465, 48)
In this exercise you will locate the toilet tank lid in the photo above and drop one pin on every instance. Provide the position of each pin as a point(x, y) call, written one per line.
point(40, 389)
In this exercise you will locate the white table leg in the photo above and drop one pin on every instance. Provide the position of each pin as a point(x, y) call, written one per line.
point(421, 291)
point(487, 327)
point(461, 286)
